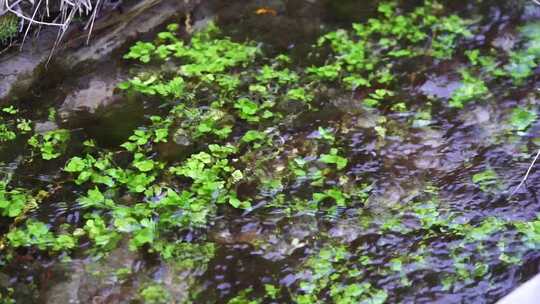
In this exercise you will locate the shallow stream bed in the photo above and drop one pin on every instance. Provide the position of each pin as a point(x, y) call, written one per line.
point(301, 151)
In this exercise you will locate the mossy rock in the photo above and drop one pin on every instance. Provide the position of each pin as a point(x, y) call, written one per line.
point(9, 27)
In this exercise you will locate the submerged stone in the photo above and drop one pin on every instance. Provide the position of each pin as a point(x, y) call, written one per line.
point(95, 281)
point(95, 93)
point(46, 126)
point(440, 87)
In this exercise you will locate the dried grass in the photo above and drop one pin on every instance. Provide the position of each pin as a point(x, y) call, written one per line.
point(51, 13)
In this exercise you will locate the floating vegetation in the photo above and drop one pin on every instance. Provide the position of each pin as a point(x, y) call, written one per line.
point(521, 118)
point(338, 176)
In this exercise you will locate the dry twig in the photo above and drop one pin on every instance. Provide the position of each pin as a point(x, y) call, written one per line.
point(526, 174)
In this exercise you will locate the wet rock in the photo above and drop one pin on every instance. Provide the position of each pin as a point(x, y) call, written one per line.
point(428, 156)
point(347, 104)
point(96, 93)
point(439, 86)
point(476, 116)
point(506, 41)
point(394, 191)
point(275, 243)
point(347, 230)
point(531, 11)
point(428, 160)
point(177, 281)
point(431, 138)
point(368, 120)
point(19, 71)
point(182, 138)
point(100, 282)
point(90, 281)
point(67, 291)
point(46, 126)
point(116, 30)
point(355, 114)
point(291, 107)
point(250, 233)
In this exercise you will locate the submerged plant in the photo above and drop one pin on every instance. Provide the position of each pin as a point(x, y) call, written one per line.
point(521, 118)
point(14, 202)
point(485, 179)
point(155, 294)
point(51, 144)
point(470, 89)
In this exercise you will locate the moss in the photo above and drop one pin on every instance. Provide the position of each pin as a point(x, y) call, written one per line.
point(9, 27)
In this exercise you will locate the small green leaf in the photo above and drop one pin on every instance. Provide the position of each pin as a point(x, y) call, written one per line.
point(144, 165)
point(484, 176)
point(76, 164)
point(253, 135)
point(94, 198)
point(522, 118)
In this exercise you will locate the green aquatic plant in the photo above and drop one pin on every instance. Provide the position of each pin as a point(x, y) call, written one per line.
point(376, 97)
point(155, 294)
point(256, 137)
point(486, 179)
point(271, 291)
point(524, 61)
point(6, 133)
point(99, 171)
point(300, 94)
point(521, 65)
point(484, 230)
point(488, 63)
point(141, 51)
point(273, 75)
point(471, 88)
point(326, 72)
point(243, 297)
point(335, 194)
point(429, 215)
point(247, 109)
point(395, 33)
point(36, 233)
point(530, 231)
point(326, 134)
point(451, 28)
point(95, 199)
point(23, 125)
point(522, 118)
point(103, 237)
point(205, 57)
point(325, 272)
point(11, 126)
point(13, 202)
point(334, 158)
point(151, 85)
point(10, 110)
point(211, 174)
point(50, 144)
point(6, 296)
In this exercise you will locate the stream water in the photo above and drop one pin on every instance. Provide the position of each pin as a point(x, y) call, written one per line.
point(414, 163)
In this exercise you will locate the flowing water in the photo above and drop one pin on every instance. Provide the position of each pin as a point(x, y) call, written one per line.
point(413, 163)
